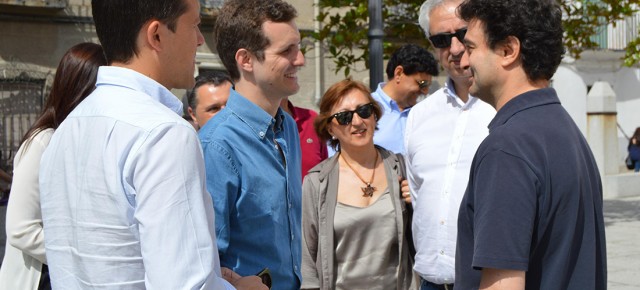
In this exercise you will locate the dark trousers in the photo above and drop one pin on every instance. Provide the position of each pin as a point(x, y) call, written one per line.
point(45, 283)
point(426, 285)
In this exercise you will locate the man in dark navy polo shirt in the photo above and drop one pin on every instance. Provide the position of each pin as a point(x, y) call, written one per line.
point(531, 217)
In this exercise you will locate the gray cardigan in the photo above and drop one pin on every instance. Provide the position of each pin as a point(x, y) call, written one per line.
point(319, 198)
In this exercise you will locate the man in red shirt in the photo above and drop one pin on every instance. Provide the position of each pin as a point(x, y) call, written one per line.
point(313, 150)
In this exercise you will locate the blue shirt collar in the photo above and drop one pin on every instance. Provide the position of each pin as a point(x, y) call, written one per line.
point(255, 117)
point(128, 78)
point(386, 100)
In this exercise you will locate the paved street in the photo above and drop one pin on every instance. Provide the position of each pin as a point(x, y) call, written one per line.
point(622, 220)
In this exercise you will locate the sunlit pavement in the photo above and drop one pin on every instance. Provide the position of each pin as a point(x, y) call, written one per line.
point(622, 221)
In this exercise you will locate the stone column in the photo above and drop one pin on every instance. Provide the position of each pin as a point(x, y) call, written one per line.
point(601, 127)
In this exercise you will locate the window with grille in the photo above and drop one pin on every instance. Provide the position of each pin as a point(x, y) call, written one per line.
point(21, 100)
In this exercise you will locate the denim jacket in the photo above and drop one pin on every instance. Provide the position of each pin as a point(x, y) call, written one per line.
point(253, 171)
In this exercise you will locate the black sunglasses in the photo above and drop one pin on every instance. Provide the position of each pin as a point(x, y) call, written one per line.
point(423, 84)
point(344, 118)
point(265, 276)
point(443, 40)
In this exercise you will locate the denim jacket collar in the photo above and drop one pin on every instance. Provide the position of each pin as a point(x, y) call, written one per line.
point(255, 117)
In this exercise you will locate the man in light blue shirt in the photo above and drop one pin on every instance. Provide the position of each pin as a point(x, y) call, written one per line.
point(410, 70)
point(252, 147)
point(121, 206)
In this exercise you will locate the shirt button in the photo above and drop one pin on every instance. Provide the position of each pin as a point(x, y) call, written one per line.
point(441, 252)
point(292, 237)
point(442, 223)
point(289, 205)
point(261, 134)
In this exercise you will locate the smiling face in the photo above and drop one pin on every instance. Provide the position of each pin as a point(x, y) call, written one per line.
point(483, 62)
point(276, 75)
point(444, 20)
point(358, 133)
point(409, 85)
point(181, 46)
point(210, 100)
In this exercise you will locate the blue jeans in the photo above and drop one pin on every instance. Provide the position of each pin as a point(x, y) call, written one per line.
point(426, 285)
point(637, 166)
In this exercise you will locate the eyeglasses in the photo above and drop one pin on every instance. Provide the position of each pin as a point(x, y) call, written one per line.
point(344, 118)
point(423, 84)
point(265, 276)
point(443, 40)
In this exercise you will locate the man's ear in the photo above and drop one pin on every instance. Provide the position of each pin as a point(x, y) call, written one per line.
point(509, 50)
point(244, 60)
point(397, 72)
point(193, 116)
point(153, 34)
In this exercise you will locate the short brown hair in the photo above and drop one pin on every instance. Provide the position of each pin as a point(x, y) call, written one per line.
point(333, 95)
point(239, 25)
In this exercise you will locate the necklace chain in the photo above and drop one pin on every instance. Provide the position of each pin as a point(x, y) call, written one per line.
point(368, 190)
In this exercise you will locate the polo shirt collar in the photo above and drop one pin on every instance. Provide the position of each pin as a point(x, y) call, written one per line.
point(530, 99)
point(131, 79)
point(255, 117)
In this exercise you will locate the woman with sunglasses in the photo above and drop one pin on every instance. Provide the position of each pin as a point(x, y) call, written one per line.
point(353, 216)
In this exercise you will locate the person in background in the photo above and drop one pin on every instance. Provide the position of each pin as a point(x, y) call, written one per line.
point(313, 150)
point(123, 205)
point(410, 70)
point(532, 215)
point(634, 150)
point(252, 147)
point(354, 217)
point(24, 265)
point(208, 96)
point(441, 136)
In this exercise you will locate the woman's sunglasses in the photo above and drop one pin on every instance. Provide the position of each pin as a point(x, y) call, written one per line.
point(443, 40)
point(344, 118)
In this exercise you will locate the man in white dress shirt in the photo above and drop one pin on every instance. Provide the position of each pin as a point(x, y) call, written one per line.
point(441, 138)
point(121, 207)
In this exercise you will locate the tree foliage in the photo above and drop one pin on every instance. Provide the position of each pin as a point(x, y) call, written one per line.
point(345, 27)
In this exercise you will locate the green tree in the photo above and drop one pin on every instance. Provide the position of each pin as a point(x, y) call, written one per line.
point(345, 27)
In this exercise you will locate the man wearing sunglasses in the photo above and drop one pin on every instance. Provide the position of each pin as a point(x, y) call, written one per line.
point(442, 134)
point(409, 70)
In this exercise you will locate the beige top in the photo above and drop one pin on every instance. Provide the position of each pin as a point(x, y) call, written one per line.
point(24, 251)
point(366, 246)
point(319, 203)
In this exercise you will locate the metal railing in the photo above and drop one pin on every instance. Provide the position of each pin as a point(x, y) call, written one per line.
point(21, 102)
point(616, 37)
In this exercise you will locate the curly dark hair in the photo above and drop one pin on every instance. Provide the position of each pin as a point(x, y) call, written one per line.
point(413, 59)
point(239, 25)
point(536, 23)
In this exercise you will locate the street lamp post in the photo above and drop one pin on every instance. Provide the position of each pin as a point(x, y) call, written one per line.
point(375, 43)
